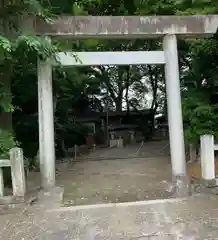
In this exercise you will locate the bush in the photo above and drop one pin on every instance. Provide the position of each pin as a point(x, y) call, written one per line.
point(7, 141)
point(202, 120)
point(200, 117)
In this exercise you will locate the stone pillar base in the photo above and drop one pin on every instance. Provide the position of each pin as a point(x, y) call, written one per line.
point(120, 143)
point(117, 143)
point(181, 186)
point(50, 198)
point(113, 143)
point(209, 183)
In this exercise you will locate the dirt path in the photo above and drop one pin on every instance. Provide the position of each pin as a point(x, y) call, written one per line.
point(133, 173)
point(120, 180)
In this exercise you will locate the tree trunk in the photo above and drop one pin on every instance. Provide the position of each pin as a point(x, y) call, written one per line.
point(154, 84)
point(118, 102)
point(127, 88)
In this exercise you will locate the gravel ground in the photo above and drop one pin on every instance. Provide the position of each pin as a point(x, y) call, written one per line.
point(189, 219)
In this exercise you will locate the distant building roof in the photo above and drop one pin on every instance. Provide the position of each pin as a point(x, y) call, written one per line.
point(93, 116)
point(121, 126)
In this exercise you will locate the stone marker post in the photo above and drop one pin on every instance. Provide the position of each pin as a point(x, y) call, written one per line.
point(207, 159)
point(17, 172)
point(1, 183)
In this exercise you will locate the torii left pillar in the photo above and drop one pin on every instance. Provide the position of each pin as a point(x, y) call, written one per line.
point(46, 124)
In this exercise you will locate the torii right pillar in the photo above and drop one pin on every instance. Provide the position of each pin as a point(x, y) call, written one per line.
point(175, 122)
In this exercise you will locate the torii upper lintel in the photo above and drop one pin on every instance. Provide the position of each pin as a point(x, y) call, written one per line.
point(86, 27)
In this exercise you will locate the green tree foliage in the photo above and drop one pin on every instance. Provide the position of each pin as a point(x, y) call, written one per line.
point(17, 50)
point(199, 85)
point(7, 141)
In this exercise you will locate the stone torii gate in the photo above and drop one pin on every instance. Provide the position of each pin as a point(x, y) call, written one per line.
point(120, 27)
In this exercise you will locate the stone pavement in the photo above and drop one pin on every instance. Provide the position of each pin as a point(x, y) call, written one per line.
point(189, 219)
